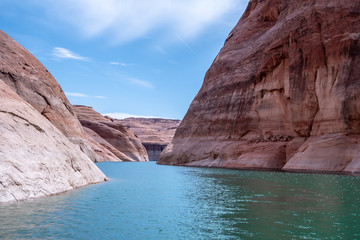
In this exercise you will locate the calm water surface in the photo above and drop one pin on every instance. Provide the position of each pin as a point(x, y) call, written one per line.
point(146, 201)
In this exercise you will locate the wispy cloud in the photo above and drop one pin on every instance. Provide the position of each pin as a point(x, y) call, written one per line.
point(159, 49)
point(64, 53)
point(128, 20)
point(140, 82)
point(122, 64)
point(73, 94)
point(185, 43)
point(82, 95)
point(101, 97)
point(117, 115)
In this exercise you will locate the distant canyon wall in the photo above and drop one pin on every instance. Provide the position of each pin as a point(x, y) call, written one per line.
point(154, 133)
point(154, 150)
point(111, 140)
point(283, 93)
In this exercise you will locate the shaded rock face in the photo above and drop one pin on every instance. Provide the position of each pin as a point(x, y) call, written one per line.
point(154, 150)
point(283, 93)
point(36, 159)
point(154, 133)
point(20, 70)
point(114, 142)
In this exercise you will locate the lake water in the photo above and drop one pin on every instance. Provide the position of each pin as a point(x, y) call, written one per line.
point(147, 201)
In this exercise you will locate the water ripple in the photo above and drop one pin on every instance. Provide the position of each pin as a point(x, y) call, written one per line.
point(146, 201)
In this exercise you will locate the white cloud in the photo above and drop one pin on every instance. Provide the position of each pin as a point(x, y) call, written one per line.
point(82, 95)
point(125, 115)
point(122, 64)
point(101, 97)
point(140, 82)
point(60, 52)
point(72, 94)
point(124, 20)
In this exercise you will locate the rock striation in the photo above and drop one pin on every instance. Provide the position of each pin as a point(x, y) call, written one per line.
point(36, 159)
point(283, 93)
point(20, 70)
point(154, 133)
point(37, 128)
point(112, 140)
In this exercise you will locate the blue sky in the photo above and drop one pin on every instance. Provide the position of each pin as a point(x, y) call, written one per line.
point(135, 57)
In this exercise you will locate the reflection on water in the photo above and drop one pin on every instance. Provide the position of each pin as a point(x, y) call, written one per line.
point(146, 201)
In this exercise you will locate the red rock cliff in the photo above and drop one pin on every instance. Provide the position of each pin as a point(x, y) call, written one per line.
point(283, 93)
point(112, 140)
point(20, 70)
point(36, 123)
point(154, 133)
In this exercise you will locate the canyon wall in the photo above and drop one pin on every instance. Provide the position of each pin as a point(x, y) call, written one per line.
point(114, 141)
point(36, 159)
point(283, 93)
point(43, 150)
point(154, 133)
point(20, 70)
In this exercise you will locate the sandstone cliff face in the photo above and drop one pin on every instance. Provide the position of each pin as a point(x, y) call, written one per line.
point(20, 70)
point(36, 159)
point(283, 93)
point(114, 141)
point(154, 133)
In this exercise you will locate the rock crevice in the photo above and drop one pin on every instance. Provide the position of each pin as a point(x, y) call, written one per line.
point(154, 133)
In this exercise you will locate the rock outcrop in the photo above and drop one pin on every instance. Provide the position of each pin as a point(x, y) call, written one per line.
point(283, 93)
point(36, 159)
point(115, 142)
point(154, 133)
point(37, 128)
point(20, 70)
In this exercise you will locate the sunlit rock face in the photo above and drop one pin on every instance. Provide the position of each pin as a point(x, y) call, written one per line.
point(115, 142)
point(43, 150)
point(283, 93)
point(36, 158)
point(154, 133)
point(20, 70)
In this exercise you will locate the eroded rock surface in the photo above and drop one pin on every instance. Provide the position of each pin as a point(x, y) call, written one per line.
point(20, 70)
point(36, 159)
point(115, 142)
point(154, 133)
point(283, 93)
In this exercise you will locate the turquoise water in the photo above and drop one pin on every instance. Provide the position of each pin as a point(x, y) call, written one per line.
point(147, 201)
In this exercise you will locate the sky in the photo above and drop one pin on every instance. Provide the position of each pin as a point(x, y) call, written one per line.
point(124, 57)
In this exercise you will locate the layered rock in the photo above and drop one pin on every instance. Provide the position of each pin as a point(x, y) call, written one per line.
point(283, 93)
point(115, 142)
point(36, 159)
point(20, 70)
point(154, 133)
